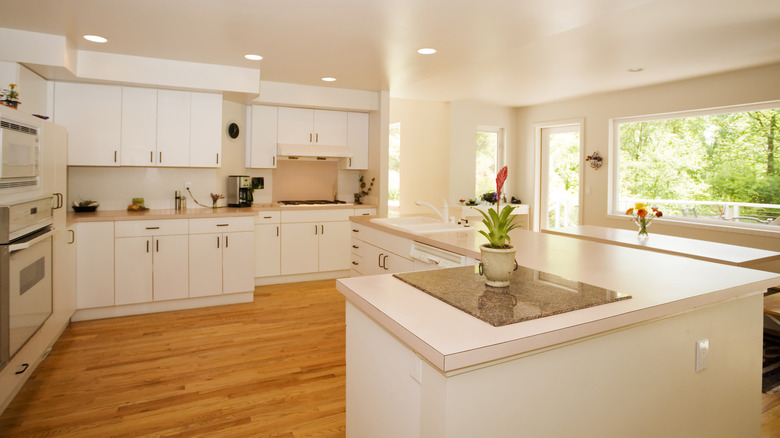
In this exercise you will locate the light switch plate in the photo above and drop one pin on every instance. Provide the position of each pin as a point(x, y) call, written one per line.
point(702, 354)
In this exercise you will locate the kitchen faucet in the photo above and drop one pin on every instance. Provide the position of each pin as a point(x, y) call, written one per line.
point(445, 209)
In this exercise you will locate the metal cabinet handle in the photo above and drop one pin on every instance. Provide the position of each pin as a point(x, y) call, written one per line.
point(72, 237)
point(277, 231)
point(355, 231)
point(355, 246)
point(24, 368)
point(223, 225)
point(310, 137)
point(217, 158)
point(152, 228)
point(217, 241)
point(355, 263)
point(160, 157)
point(58, 201)
point(322, 229)
point(157, 245)
point(226, 242)
point(114, 156)
point(267, 217)
point(151, 156)
point(273, 161)
point(384, 262)
point(315, 229)
point(379, 260)
point(147, 246)
point(350, 162)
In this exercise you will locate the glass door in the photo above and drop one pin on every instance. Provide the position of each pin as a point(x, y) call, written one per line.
point(560, 182)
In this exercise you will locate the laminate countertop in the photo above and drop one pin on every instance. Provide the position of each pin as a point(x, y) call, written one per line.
point(661, 285)
point(197, 213)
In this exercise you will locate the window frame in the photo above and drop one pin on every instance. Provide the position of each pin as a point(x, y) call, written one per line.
point(500, 149)
point(614, 167)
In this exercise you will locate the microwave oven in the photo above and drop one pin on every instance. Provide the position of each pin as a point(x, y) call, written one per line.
point(19, 155)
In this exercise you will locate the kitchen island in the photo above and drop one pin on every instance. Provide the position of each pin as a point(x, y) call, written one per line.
point(417, 367)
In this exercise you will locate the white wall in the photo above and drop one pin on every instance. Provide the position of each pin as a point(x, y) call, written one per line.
point(425, 152)
point(465, 119)
point(740, 87)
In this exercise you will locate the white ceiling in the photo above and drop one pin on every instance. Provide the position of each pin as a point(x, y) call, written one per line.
point(510, 52)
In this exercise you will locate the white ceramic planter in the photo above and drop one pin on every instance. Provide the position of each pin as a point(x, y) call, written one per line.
point(497, 265)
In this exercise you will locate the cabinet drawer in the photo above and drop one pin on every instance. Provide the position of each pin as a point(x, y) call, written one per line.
point(357, 264)
point(357, 247)
point(222, 225)
point(334, 215)
point(150, 228)
point(365, 212)
point(268, 217)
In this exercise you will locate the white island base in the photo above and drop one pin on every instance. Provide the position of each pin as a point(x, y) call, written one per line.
point(636, 381)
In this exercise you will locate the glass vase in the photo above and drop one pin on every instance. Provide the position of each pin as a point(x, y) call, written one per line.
point(642, 223)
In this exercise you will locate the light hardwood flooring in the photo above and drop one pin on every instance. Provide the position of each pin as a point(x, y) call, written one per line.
point(272, 368)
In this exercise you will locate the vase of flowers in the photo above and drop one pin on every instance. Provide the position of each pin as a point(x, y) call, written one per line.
point(643, 217)
point(214, 198)
point(498, 255)
point(10, 96)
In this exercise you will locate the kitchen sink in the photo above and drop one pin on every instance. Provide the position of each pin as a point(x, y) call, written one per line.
point(416, 224)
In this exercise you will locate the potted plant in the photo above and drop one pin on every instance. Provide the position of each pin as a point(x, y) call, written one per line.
point(364, 189)
point(498, 255)
point(11, 97)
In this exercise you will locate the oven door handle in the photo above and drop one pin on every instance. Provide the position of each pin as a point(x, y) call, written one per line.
point(24, 245)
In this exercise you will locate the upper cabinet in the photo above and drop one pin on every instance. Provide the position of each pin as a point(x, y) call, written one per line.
point(93, 116)
point(132, 126)
point(261, 150)
point(205, 130)
point(357, 141)
point(316, 127)
point(340, 134)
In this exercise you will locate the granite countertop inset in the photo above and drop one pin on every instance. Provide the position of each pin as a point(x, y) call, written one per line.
point(532, 294)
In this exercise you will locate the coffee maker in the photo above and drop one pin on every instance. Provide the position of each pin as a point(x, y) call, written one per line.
point(239, 191)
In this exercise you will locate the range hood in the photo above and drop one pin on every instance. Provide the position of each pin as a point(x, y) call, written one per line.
point(309, 150)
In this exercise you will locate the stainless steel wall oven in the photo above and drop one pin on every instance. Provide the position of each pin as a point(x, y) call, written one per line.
point(25, 272)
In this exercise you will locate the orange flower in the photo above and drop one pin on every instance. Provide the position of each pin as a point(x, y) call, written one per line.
point(642, 213)
point(630, 211)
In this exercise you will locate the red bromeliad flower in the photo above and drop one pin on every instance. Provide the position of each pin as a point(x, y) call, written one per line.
point(500, 180)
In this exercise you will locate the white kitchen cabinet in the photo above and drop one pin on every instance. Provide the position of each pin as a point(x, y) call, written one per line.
point(315, 241)
point(357, 141)
point(221, 256)
point(150, 261)
point(95, 264)
point(375, 252)
point(368, 211)
point(205, 146)
point(173, 129)
point(306, 126)
point(268, 241)
point(261, 153)
point(139, 126)
point(92, 114)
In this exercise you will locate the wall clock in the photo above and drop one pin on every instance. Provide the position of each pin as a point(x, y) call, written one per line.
point(233, 130)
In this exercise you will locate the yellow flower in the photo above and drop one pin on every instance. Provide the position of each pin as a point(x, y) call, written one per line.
point(640, 206)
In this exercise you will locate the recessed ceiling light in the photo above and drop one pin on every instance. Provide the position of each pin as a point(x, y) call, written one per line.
point(426, 51)
point(328, 79)
point(635, 70)
point(253, 57)
point(95, 38)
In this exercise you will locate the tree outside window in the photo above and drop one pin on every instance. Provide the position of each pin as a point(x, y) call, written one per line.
point(394, 167)
point(488, 160)
point(721, 167)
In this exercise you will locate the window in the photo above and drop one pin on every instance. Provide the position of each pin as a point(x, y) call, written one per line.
point(394, 167)
point(718, 166)
point(490, 158)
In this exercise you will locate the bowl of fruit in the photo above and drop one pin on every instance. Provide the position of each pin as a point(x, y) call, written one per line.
point(85, 206)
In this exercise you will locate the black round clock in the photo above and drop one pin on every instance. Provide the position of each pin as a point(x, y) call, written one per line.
point(233, 130)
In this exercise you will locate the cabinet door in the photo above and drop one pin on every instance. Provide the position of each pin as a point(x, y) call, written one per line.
point(299, 248)
point(330, 128)
point(139, 126)
point(238, 262)
point(173, 128)
point(357, 140)
point(93, 115)
point(262, 149)
point(395, 263)
point(95, 264)
point(205, 130)
point(171, 279)
point(371, 260)
point(133, 267)
point(268, 242)
point(334, 246)
point(205, 264)
point(295, 126)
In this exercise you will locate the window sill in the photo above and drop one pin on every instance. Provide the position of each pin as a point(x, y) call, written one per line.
point(772, 231)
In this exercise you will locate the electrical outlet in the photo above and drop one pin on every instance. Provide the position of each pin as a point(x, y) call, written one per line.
point(187, 185)
point(702, 353)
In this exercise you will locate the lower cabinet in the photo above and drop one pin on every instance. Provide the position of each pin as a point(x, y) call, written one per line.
point(309, 246)
point(386, 254)
point(95, 265)
point(377, 260)
point(268, 244)
point(221, 256)
point(150, 261)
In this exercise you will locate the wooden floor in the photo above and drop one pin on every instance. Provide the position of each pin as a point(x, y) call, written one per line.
point(272, 368)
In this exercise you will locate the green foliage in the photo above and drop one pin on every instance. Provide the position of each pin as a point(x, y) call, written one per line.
point(487, 147)
point(723, 157)
point(498, 226)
